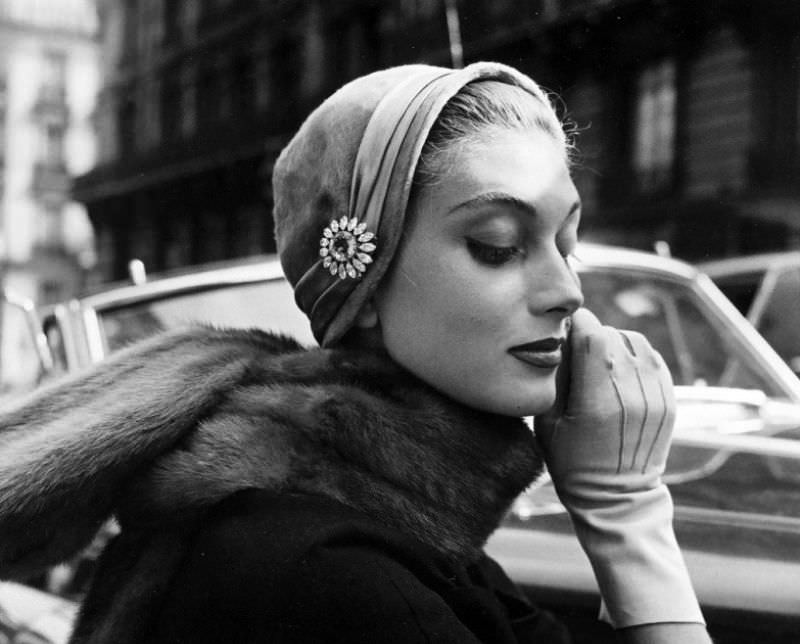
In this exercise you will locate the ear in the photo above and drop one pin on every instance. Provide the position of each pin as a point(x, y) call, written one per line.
point(368, 316)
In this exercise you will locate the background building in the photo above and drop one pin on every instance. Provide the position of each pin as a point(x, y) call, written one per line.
point(686, 112)
point(48, 84)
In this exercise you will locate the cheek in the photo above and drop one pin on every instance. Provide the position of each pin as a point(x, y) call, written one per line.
point(451, 324)
point(436, 288)
point(439, 301)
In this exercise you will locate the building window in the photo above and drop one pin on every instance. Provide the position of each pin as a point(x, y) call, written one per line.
point(188, 16)
point(248, 231)
point(654, 134)
point(105, 118)
point(150, 30)
point(171, 22)
point(148, 129)
point(208, 101)
point(313, 52)
point(243, 83)
point(170, 105)
point(50, 291)
point(224, 89)
point(283, 80)
point(178, 242)
point(127, 124)
point(214, 231)
point(188, 101)
point(50, 233)
point(130, 22)
point(54, 73)
point(262, 75)
point(53, 145)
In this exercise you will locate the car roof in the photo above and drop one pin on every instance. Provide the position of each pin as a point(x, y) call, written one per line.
point(750, 263)
point(251, 269)
point(266, 267)
point(594, 254)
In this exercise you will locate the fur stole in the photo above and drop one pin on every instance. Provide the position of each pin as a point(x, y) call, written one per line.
point(163, 430)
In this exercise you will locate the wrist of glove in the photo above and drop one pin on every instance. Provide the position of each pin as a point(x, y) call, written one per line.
point(636, 560)
point(605, 443)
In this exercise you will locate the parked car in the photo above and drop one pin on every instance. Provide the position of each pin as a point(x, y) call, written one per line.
point(766, 289)
point(735, 465)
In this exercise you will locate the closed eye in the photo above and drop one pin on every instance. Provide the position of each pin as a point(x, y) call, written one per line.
point(492, 255)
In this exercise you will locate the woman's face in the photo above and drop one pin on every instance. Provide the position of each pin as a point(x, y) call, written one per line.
point(477, 300)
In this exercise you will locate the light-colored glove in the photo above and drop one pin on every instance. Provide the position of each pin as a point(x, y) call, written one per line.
point(605, 443)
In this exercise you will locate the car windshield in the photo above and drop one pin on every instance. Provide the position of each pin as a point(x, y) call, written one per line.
point(697, 346)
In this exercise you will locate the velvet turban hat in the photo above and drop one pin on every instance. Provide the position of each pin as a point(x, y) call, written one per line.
point(341, 186)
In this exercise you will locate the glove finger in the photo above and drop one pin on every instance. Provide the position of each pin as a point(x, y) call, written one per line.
point(582, 325)
point(585, 325)
point(658, 449)
point(594, 348)
point(632, 399)
point(640, 380)
point(639, 347)
point(599, 391)
point(652, 427)
point(656, 378)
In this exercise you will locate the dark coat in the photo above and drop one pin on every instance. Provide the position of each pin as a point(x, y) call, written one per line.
point(268, 493)
point(294, 568)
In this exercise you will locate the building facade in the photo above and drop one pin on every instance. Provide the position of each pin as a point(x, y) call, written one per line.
point(48, 83)
point(685, 113)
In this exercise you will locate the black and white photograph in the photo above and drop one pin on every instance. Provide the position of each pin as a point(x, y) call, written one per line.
point(399, 322)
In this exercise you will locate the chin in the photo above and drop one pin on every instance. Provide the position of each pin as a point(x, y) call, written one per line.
point(536, 402)
point(528, 403)
point(516, 396)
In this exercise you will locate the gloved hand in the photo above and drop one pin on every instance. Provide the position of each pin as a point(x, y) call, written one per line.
point(605, 443)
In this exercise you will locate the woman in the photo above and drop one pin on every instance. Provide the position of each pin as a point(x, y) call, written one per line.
point(268, 493)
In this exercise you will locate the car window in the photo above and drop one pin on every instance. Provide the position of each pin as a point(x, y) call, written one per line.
point(55, 342)
point(779, 320)
point(741, 288)
point(267, 305)
point(696, 346)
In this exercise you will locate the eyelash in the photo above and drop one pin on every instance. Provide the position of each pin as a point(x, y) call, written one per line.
point(492, 255)
point(498, 255)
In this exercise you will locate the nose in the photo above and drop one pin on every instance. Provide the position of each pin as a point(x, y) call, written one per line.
point(555, 288)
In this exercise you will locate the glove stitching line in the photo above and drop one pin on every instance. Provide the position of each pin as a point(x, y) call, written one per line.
point(623, 417)
point(644, 420)
point(661, 424)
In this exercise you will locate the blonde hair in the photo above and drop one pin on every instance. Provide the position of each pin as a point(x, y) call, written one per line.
point(481, 107)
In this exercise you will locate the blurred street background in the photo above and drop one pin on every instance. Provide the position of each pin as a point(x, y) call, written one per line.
point(147, 128)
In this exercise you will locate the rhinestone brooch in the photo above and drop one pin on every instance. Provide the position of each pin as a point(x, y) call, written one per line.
point(346, 248)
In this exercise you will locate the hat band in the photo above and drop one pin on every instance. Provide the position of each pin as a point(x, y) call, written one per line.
point(391, 133)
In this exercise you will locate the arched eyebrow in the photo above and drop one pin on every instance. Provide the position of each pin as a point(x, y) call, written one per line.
point(505, 199)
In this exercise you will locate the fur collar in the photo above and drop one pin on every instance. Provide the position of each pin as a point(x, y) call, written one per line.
point(165, 429)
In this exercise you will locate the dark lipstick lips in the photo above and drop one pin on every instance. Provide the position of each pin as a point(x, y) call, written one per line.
point(545, 354)
point(545, 346)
